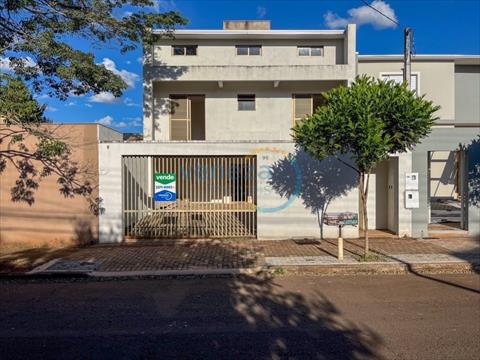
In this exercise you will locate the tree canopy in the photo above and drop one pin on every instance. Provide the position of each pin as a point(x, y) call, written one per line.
point(47, 46)
point(369, 121)
point(37, 35)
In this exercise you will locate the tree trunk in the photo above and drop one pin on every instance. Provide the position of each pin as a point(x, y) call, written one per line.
point(363, 187)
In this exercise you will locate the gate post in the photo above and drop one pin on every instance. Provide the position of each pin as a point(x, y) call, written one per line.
point(340, 243)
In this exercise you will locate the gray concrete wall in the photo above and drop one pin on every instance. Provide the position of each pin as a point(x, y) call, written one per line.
point(274, 52)
point(272, 118)
point(467, 94)
point(288, 196)
point(447, 139)
point(107, 134)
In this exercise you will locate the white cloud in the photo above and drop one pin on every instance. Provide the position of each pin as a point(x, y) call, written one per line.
point(127, 76)
point(333, 21)
point(106, 120)
point(42, 97)
point(163, 5)
point(134, 121)
point(89, 105)
point(6, 66)
point(261, 11)
point(103, 97)
point(364, 15)
point(129, 102)
point(51, 108)
point(71, 103)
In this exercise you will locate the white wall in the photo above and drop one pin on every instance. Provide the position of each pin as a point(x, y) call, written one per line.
point(436, 80)
point(277, 218)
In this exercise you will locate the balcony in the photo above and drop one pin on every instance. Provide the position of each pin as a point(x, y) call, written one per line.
point(249, 73)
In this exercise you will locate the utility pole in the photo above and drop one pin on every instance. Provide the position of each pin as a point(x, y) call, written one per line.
point(407, 70)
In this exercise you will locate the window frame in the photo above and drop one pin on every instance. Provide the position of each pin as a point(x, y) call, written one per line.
point(248, 47)
point(185, 50)
point(311, 96)
point(246, 96)
point(310, 47)
point(399, 73)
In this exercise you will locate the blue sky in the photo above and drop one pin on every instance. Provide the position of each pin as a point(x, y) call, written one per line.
point(440, 27)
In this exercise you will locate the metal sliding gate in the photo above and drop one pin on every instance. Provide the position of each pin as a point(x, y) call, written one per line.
point(214, 197)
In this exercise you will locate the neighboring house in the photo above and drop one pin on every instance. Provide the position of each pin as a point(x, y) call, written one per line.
point(448, 196)
point(54, 219)
point(217, 159)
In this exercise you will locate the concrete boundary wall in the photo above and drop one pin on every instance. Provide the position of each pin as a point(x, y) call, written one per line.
point(292, 188)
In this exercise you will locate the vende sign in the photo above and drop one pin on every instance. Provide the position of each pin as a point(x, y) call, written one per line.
point(165, 186)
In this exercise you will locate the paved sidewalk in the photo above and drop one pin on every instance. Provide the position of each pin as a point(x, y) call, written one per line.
point(228, 255)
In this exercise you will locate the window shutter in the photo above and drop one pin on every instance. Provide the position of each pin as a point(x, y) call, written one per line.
point(303, 106)
point(179, 108)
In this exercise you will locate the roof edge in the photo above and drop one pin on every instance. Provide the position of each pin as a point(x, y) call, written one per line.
point(265, 34)
point(461, 59)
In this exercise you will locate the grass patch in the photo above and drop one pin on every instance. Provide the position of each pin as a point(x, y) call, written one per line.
point(372, 257)
point(279, 271)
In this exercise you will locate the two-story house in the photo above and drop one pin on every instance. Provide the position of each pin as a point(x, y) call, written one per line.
point(218, 159)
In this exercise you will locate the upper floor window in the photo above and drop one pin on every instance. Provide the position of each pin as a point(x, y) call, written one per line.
point(184, 50)
point(310, 50)
point(249, 50)
point(398, 78)
point(305, 104)
point(246, 102)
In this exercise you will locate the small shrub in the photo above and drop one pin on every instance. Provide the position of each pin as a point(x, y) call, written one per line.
point(371, 258)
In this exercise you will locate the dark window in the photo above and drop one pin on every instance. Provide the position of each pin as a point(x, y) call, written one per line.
point(190, 50)
point(249, 50)
point(246, 102)
point(178, 50)
point(242, 50)
point(255, 50)
point(185, 50)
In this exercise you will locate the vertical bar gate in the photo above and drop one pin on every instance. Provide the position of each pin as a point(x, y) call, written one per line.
point(215, 197)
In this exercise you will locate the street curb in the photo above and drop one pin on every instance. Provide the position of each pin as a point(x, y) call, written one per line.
point(382, 268)
point(168, 273)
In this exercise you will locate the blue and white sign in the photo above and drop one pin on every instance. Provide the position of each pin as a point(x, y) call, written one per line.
point(165, 187)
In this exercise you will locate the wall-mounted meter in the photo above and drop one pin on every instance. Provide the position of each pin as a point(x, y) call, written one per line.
point(412, 200)
point(411, 181)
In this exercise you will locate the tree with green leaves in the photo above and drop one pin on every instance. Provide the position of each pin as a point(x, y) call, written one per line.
point(37, 46)
point(369, 121)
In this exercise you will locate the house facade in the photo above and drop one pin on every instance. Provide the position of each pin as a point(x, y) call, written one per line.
point(218, 159)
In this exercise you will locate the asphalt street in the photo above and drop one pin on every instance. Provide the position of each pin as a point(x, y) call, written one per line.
point(249, 317)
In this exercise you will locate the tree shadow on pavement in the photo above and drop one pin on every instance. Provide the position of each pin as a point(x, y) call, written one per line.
point(244, 317)
point(21, 260)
